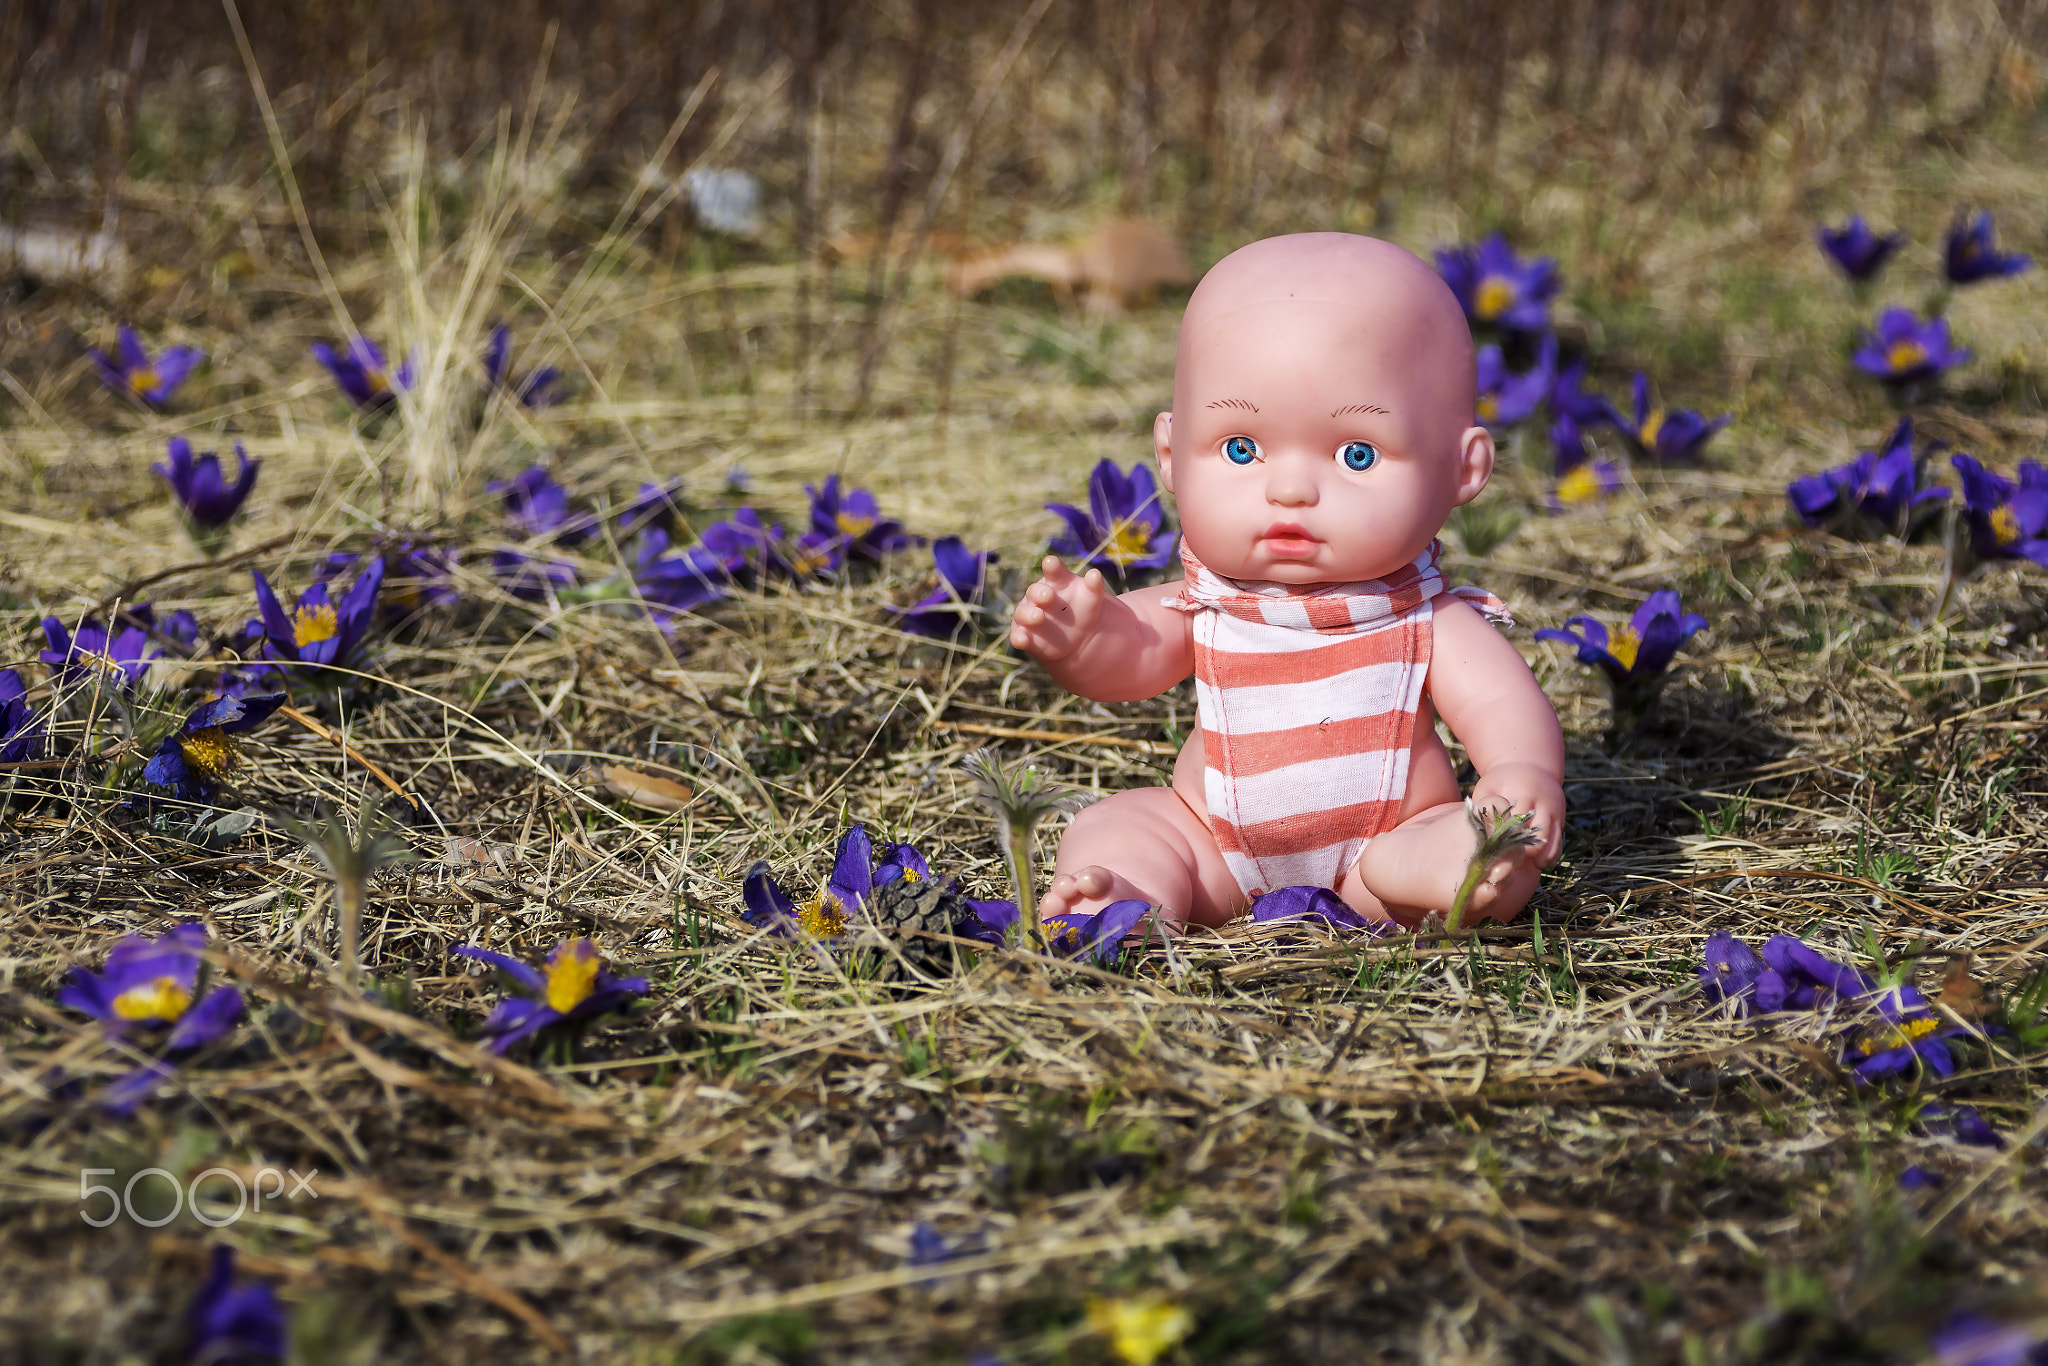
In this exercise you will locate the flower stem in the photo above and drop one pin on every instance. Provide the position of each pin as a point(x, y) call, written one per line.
point(1455, 921)
point(1498, 833)
point(348, 915)
point(1021, 875)
point(1948, 567)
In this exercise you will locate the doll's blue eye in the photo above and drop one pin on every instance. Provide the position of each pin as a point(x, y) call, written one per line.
point(1358, 455)
point(1240, 450)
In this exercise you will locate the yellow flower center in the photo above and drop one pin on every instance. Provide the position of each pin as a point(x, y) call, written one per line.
point(809, 560)
point(1623, 644)
point(1493, 297)
point(379, 382)
point(212, 751)
point(1581, 485)
point(852, 525)
point(823, 916)
point(572, 976)
point(1127, 543)
point(99, 663)
point(162, 999)
point(1652, 425)
point(1489, 407)
point(1897, 1036)
point(143, 380)
point(912, 875)
point(2005, 524)
point(1905, 354)
point(1140, 1331)
point(313, 624)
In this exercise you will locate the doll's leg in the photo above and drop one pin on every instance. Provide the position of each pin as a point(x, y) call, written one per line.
point(1145, 844)
point(1416, 867)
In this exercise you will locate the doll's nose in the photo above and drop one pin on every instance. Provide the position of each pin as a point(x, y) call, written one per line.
point(1290, 487)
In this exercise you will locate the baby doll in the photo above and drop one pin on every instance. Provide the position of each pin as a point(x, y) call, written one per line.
point(1322, 430)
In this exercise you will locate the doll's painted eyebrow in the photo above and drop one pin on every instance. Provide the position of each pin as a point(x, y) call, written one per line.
point(1243, 403)
point(1362, 408)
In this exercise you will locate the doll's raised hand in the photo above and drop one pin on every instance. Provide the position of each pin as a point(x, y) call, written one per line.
point(1526, 787)
point(1059, 612)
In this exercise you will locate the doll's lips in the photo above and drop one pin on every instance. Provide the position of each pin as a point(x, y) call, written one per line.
point(1288, 538)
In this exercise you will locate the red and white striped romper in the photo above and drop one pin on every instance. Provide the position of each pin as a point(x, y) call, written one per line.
point(1308, 704)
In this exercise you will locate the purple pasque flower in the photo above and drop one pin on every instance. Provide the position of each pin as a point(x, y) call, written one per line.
point(152, 984)
point(1504, 397)
point(1498, 288)
point(1918, 1178)
point(1312, 903)
point(1967, 1338)
point(2007, 520)
point(1806, 977)
point(570, 987)
point(91, 654)
point(1096, 937)
point(1730, 971)
point(1878, 486)
point(317, 631)
point(853, 520)
point(1901, 1033)
point(813, 555)
point(825, 914)
point(147, 381)
point(1901, 350)
point(206, 499)
point(538, 507)
point(1123, 531)
point(360, 371)
point(859, 866)
point(195, 760)
point(1906, 1035)
point(1568, 399)
point(1859, 252)
point(535, 389)
point(678, 583)
point(951, 608)
point(21, 731)
point(249, 678)
point(1638, 652)
point(1961, 1122)
point(736, 550)
point(1970, 252)
point(744, 544)
point(416, 577)
point(1585, 482)
point(178, 627)
point(1665, 433)
point(651, 506)
point(233, 1322)
point(929, 1247)
point(1788, 975)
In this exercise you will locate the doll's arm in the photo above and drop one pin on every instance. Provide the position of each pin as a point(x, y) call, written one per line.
point(1492, 703)
point(1106, 648)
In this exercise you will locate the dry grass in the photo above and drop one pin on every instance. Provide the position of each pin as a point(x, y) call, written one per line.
point(1535, 1145)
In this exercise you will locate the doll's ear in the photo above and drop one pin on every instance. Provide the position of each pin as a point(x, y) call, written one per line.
point(1162, 448)
point(1475, 464)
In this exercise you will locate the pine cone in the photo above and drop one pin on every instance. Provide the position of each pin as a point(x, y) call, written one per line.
point(931, 905)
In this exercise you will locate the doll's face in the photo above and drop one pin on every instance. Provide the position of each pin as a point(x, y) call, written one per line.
point(1320, 439)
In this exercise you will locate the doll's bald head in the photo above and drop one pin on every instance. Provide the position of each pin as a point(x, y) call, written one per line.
point(1360, 303)
point(1323, 421)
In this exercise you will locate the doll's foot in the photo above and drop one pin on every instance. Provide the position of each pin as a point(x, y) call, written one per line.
point(1086, 891)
